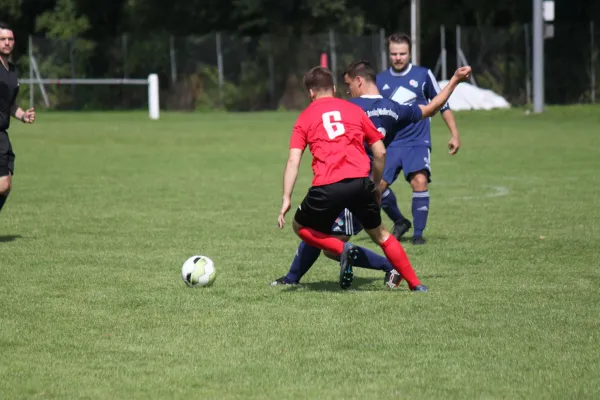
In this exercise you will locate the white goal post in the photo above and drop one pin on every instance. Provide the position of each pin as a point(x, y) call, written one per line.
point(151, 82)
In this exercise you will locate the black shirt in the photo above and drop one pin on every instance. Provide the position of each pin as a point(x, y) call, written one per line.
point(9, 88)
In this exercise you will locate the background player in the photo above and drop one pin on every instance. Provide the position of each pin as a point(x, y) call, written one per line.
point(410, 150)
point(9, 88)
point(387, 116)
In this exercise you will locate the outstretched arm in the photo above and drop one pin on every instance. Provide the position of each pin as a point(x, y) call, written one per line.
point(461, 75)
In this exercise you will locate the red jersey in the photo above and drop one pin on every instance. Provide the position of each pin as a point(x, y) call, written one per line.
point(335, 131)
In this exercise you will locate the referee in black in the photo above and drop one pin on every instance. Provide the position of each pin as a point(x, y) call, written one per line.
point(9, 88)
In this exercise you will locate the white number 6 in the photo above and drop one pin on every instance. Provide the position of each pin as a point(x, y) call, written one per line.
point(332, 125)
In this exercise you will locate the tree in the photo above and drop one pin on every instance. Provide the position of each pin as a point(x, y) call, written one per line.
point(62, 22)
point(65, 28)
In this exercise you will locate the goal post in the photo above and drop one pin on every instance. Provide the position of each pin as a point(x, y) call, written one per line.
point(151, 82)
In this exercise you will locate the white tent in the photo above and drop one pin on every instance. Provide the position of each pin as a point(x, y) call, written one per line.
point(470, 97)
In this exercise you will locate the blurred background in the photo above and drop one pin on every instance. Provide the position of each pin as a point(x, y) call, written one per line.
point(244, 55)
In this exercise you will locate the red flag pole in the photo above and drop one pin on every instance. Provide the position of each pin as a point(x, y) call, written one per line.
point(324, 60)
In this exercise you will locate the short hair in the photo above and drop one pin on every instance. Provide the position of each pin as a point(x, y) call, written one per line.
point(318, 79)
point(5, 26)
point(400, 37)
point(362, 68)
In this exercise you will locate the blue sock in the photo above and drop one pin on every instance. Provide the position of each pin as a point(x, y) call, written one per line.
point(305, 258)
point(371, 260)
point(420, 211)
point(390, 205)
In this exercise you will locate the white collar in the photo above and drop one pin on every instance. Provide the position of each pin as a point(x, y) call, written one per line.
point(394, 73)
point(371, 96)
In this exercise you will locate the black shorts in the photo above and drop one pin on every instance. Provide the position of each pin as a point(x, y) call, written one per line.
point(7, 157)
point(323, 204)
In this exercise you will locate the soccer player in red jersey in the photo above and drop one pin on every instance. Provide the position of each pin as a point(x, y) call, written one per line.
point(335, 131)
point(389, 117)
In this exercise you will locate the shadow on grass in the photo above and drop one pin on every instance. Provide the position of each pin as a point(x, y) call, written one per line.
point(359, 284)
point(9, 238)
point(405, 240)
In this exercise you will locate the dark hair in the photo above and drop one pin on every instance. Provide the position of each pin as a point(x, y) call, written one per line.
point(318, 79)
point(4, 25)
point(399, 38)
point(361, 68)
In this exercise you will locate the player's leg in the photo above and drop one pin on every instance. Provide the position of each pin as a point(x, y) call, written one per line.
point(344, 227)
point(347, 225)
point(313, 220)
point(418, 172)
point(5, 186)
point(307, 255)
point(7, 165)
point(420, 205)
point(366, 259)
point(303, 260)
point(394, 252)
point(367, 210)
point(312, 235)
point(389, 203)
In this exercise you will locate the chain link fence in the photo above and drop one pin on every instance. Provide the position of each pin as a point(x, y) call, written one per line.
point(502, 61)
point(224, 71)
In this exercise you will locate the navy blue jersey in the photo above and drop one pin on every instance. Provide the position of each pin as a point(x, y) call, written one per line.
point(415, 85)
point(388, 116)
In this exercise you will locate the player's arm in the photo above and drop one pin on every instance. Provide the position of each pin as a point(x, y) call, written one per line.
point(378, 163)
point(454, 143)
point(433, 89)
point(374, 139)
point(462, 74)
point(290, 174)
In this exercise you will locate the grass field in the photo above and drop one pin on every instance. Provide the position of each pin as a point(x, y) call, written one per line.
point(107, 206)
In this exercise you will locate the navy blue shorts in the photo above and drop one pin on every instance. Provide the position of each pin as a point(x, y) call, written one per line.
point(346, 224)
point(406, 159)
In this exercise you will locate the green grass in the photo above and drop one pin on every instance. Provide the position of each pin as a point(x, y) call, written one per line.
point(106, 207)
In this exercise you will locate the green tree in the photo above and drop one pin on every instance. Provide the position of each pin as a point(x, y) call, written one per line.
point(64, 29)
point(62, 22)
point(11, 9)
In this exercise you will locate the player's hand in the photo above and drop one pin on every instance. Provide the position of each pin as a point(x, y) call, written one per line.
point(463, 74)
point(29, 116)
point(285, 207)
point(453, 145)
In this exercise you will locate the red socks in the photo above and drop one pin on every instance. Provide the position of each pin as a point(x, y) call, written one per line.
point(322, 241)
point(395, 254)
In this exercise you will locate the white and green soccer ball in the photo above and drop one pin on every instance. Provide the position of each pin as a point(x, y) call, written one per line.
point(198, 271)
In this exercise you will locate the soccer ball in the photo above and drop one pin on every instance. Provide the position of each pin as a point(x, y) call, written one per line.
point(198, 271)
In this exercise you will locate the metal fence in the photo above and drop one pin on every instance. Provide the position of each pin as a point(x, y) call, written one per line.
point(225, 71)
point(502, 61)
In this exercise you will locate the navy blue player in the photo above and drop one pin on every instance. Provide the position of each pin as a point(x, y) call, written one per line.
point(410, 150)
point(389, 117)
